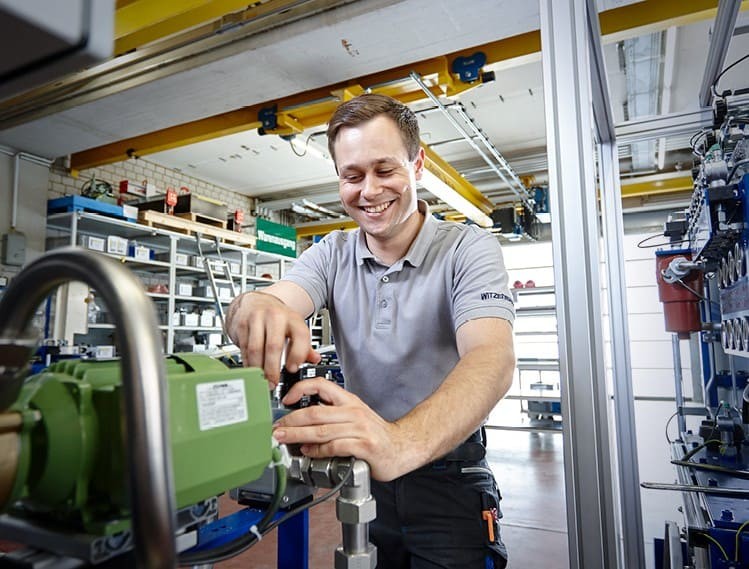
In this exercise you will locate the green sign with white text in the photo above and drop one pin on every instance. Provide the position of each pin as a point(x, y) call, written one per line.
point(276, 238)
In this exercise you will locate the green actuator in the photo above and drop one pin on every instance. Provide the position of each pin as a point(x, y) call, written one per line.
point(66, 463)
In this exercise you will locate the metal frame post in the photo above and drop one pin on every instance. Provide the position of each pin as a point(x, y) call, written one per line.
point(725, 22)
point(591, 527)
point(678, 382)
point(293, 542)
point(630, 503)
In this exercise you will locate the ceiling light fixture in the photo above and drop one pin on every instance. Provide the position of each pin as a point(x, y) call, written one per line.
point(440, 189)
point(316, 207)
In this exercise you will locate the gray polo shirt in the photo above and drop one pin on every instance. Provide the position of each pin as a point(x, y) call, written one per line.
point(394, 327)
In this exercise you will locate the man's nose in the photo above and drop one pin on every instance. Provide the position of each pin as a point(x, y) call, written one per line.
point(370, 186)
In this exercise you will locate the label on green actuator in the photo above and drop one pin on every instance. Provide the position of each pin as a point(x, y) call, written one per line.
point(221, 403)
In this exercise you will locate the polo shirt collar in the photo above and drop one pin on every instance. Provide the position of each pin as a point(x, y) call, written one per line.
point(418, 250)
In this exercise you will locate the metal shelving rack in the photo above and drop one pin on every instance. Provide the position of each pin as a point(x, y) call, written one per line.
point(68, 229)
point(539, 403)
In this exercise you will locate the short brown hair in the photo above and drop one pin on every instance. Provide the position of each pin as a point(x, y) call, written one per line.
point(366, 107)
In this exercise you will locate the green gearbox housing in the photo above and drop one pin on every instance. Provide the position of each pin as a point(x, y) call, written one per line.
point(72, 467)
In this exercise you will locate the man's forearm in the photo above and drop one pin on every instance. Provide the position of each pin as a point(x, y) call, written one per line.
point(463, 401)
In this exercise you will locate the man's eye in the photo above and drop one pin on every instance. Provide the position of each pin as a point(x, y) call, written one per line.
point(385, 172)
point(352, 178)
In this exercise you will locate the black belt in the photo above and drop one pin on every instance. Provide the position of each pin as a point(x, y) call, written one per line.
point(473, 449)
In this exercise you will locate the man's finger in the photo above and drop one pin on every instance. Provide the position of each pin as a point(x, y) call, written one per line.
point(316, 415)
point(298, 346)
point(275, 342)
point(328, 391)
point(322, 433)
point(313, 356)
point(254, 351)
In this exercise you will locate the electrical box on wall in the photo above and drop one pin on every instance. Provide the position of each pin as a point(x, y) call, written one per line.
point(13, 250)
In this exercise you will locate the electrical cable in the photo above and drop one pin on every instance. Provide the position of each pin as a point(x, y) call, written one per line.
point(736, 167)
point(698, 448)
point(695, 293)
point(261, 527)
point(306, 146)
point(743, 474)
point(294, 150)
point(671, 418)
point(694, 139)
point(714, 86)
point(94, 189)
point(244, 542)
point(737, 550)
point(316, 501)
point(715, 542)
point(641, 246)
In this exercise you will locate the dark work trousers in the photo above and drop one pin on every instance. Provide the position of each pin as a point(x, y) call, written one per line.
point(441, 516)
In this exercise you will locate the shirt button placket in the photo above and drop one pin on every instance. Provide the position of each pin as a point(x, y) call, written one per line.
point(383, 319)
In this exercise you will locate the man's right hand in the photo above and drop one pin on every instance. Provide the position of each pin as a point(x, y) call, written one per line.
point(263, 326)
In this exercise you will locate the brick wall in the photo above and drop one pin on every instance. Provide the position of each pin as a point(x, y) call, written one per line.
point(137, 170)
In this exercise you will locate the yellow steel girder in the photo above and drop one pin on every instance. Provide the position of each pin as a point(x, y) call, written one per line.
point(191, 133)
point(301, 111)
point(323, 228)
point(631, 20)
point(450, 176)
point(657, 184)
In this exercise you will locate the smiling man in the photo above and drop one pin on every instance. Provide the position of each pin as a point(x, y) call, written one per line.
point(421, 317)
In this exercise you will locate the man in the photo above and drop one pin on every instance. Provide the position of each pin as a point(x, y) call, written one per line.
point(421, 318)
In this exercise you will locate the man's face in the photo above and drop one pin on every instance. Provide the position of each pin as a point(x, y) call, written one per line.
point(377, 182)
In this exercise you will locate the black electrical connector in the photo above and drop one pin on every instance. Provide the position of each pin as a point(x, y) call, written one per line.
point(289, 379)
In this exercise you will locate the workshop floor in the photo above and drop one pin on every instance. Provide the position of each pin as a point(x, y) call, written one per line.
point(530, 473)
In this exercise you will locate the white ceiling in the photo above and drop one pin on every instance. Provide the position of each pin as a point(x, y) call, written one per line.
point(509, 110)
point(378, 35)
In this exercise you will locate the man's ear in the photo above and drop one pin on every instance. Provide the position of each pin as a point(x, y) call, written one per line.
point(419, 163)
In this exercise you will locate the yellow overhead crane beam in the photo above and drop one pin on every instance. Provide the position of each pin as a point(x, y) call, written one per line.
point(450, 176)
point(655, 185)
point(295, 113)
point(323, 228)
point(305, 107)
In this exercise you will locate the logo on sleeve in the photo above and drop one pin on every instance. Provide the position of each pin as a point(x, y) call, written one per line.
point(496, 296)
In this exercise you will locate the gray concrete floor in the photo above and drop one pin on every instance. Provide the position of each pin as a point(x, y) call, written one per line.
point(529, 468)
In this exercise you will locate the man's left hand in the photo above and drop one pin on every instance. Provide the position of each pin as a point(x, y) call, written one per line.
point(343, 426)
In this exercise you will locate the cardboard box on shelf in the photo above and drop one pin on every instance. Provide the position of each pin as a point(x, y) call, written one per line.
point(180, 259)
point(117, 245)
point(140, 252)
point(190, 319)
point(93, 243)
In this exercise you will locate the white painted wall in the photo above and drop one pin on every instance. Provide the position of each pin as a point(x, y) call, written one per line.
point(32, 205)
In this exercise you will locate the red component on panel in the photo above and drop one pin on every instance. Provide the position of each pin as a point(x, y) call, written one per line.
point(680, 296)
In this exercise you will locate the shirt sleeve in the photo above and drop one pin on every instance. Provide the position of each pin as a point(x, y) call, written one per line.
point(480, 283)
point(310, 271)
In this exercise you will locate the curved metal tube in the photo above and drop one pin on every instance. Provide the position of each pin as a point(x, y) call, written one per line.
point(144, 383)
